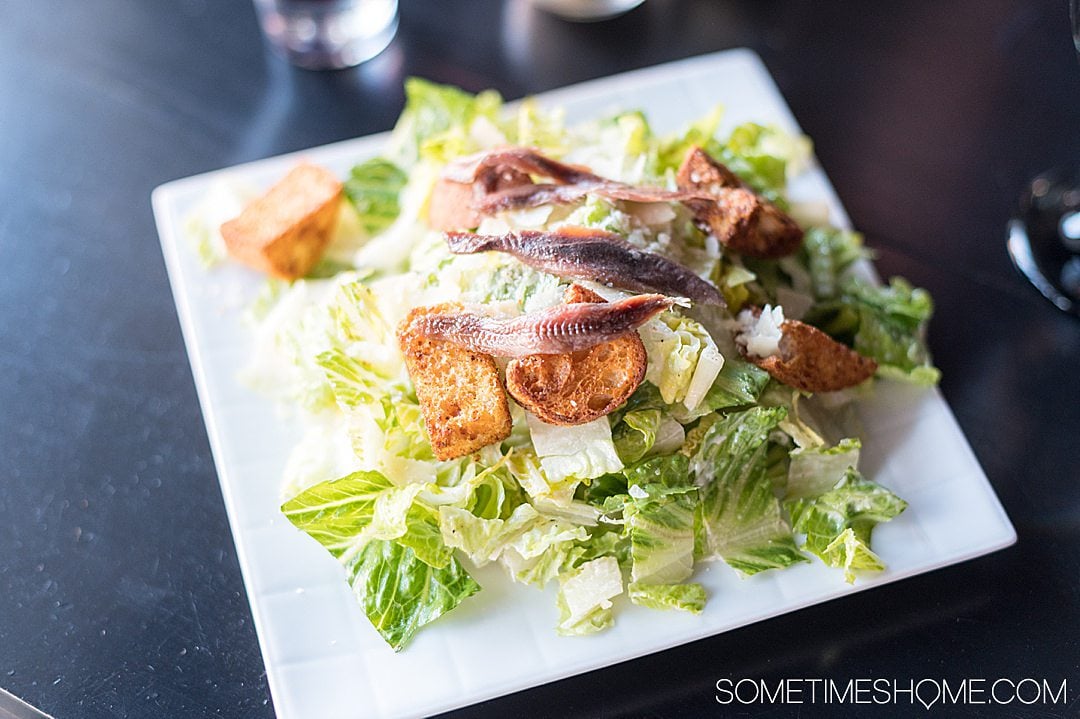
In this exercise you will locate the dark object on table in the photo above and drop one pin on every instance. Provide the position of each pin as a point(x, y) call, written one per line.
point(1044, 239)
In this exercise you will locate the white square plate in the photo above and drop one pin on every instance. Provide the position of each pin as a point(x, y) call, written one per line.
point(322, 657)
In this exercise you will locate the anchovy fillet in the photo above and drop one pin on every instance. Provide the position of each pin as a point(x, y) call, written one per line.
point(523, 159)
point(570, 183)
point(555, 330)
point(592, 255)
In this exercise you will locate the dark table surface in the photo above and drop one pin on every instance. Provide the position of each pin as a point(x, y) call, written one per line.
point(120, 592)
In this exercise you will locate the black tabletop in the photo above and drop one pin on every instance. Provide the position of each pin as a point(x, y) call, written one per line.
point(120, 592)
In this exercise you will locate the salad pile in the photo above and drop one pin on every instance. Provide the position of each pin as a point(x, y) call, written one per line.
point(710, 458)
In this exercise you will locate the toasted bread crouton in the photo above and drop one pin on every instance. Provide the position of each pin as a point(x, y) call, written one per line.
point(576, 293)
point(451, 204)
point(285, 232)
point(813, 361)
point(700, 172)
point(740, 219)
point(461, 397)
point(578, 387)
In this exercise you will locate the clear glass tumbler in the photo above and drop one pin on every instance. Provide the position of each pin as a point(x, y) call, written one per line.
point(1044, 236)
point(328, 34)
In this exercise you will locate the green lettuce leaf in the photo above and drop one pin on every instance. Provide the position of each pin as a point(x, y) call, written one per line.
point(526, 531)
point(838, 523)
point(545, 566)
point(763, 157)
point(512, 281)
point(739, 517)
point(738, 384)
point(345, 514)
point(887, 323)
point(601, 214)
point(585, 594)
point(701, 133)
point(644, 432)
point(534, 127)
point(373, 188)
point(661, 530)
point(423, 537)
point(683, 358)
point(335, 512)
point(436, 121)
point(852, 554)
point(671, 470)
point(606, 542)
point(403, 574)
point(571, 454)
point(684, 597)
point(294, 327)
point(827, 253)
point(816, 470)
point(892, 328)
point(400, 593)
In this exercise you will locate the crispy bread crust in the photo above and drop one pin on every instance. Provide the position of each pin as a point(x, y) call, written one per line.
point(740, 219)
point(813, 361)
point(579, 387)
point(285, 232)
point(460, 393)
point(451, 204)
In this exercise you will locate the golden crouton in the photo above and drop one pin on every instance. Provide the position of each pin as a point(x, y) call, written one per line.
point(461, 396)
point(740, 219)
point(578, 387)
point(813, 361)
point(285, 232)
point(700, 172)
point(451, 204)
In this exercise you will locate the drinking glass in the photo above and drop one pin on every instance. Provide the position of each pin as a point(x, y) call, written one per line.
point(328, 34)
point(1044, 237)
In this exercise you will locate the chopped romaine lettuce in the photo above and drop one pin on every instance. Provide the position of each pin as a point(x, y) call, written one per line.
point(437, 120)
point(701, 133)
point(815, 470)
point(644, 432)
point(660, 525)
point(526, 531)
point(288, 339)
point(335, 512)
point(683, 358)
point(373, 188)
point(684, 597)
point(585, 595)
point(838, 523)
point(739, 517)
point(571, 454)
point(763, 157)
point(325, 451)
point(533, 127)
point(827, 253)
point(887, 323)
point(400, 594)
point(738, 384)
point(892, 327)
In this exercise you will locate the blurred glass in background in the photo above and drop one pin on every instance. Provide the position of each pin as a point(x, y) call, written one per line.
point(1044, 238)
point(328, 34)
